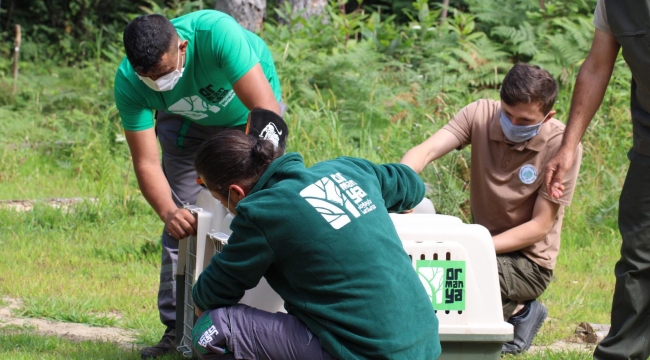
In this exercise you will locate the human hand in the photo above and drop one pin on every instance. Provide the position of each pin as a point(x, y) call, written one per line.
point(555, 170)
point(180, 224)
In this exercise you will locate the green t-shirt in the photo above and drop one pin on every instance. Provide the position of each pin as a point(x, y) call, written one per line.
point(324, 241)
point(219, 52)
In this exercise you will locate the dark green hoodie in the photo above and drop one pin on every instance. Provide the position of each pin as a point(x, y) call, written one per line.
point(324, 241)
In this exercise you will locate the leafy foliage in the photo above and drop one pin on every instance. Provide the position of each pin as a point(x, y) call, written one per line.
point(565, 47)
point(370, 71)
point(66, 29)
point(383, 81)
point(555, 37)
point(171, 9)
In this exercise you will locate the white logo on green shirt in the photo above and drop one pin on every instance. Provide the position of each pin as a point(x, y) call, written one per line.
point(193, 107)
point(208, 336)
point(332, 196)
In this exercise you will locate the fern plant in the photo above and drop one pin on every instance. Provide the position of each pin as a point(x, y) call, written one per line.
point(565, 47)
point(172, 8)
point(521, 40)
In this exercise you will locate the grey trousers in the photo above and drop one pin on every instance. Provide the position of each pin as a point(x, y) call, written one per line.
point(179, 140)
point(243, 332)
point(629, 336)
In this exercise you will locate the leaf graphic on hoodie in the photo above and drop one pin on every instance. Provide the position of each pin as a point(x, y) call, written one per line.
point(326, 197)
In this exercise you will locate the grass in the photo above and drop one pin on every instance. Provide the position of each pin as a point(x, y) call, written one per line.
point(61, 138)
point(22, 344)
point(83, 264)
point(554, 355)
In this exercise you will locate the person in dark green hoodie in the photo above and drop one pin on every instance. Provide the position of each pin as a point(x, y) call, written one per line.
point(323, 239)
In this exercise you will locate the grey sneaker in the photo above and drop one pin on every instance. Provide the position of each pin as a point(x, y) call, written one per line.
point(526, 327)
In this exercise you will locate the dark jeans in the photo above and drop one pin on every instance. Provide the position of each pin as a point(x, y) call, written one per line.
point(629, 336)
point(520, 279)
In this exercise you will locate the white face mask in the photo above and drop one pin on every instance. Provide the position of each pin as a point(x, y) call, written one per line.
point(166, 82)
point(228, 207)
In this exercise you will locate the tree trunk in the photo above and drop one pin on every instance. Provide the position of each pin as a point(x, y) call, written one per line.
point(310, 7)
point(16, 52)
point(445, 8)
point(248, 13)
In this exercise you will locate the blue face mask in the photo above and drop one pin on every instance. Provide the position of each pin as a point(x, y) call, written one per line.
point(518, 133)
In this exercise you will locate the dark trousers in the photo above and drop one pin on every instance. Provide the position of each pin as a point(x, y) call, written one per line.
point(629, 336)
point(243, 332)
point(520, 280)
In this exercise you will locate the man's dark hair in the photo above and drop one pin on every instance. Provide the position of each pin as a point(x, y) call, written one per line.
point(527, 84)
point(146, 39)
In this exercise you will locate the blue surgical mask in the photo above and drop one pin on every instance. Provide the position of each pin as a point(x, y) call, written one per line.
point(518, 133)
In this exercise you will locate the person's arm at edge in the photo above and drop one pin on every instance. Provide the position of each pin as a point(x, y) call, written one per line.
point(438, 145)
point(154, 186)
point(530, 232)
point(254, 91)
point(588, 94)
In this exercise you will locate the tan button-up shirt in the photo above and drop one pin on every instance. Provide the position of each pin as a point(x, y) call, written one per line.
point(507, 178)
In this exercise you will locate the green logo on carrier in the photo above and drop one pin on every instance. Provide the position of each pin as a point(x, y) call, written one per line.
point(444, 282)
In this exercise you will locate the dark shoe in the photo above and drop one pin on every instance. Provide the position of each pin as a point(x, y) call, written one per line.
point(166, 346)
point(526, 324)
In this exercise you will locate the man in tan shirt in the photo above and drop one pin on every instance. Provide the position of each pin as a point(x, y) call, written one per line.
point(512, 140)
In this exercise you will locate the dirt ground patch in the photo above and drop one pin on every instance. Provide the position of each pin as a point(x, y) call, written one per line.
point(57, 203)
point(564, 346)
point(585, 338)
point(71, 331)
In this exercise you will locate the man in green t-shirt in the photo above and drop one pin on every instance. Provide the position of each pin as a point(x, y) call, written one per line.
point(201, 73)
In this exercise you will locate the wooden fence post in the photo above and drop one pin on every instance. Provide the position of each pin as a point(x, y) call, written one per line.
point(16, 52)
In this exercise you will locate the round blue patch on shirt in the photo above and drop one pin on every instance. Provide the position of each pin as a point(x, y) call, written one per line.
point(528, 174)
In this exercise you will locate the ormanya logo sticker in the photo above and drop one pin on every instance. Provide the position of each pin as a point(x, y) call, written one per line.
point(444, 282)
